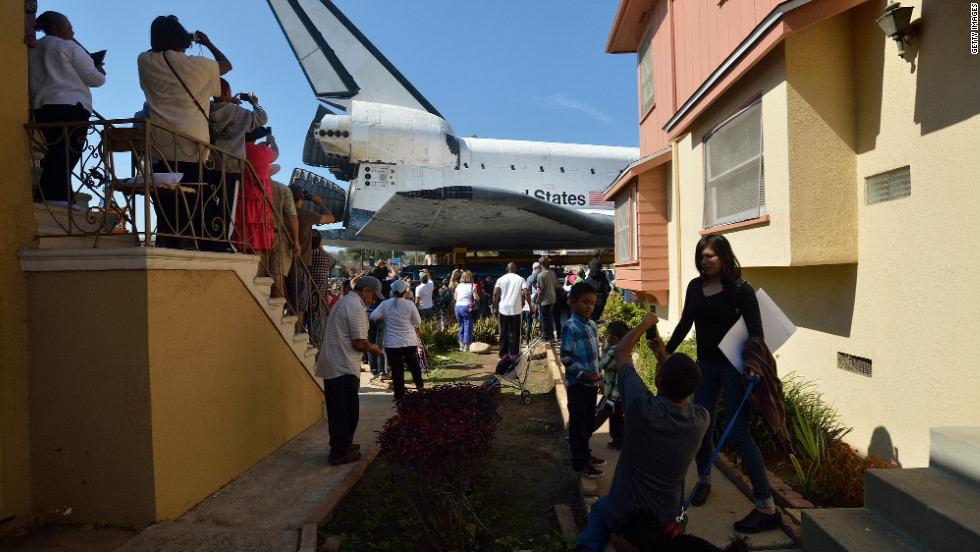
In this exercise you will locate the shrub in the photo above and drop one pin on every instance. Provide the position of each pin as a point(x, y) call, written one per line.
point(436, 339)
point(486, 330)
point(438, 441)
point(616, 309)
point(838, 480)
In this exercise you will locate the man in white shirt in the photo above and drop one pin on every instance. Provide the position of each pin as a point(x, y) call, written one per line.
point(345, 338)
point(423, 295)
point(508, 295)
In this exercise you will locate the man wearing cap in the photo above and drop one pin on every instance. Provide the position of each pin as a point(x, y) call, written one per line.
point(297, 283)
point(533, 278)
point(344, 340)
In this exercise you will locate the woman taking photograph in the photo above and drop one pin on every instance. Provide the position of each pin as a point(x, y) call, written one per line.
point(713, 303)
point(467, 295)
point(60, 73)
point(178, 90)
point(400, 340)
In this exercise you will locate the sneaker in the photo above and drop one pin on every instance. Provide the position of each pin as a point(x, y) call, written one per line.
point(590, 472)
point(704, 489)
point(757, 522)
point(352, 455)
point(596, 461)
point(615, 445)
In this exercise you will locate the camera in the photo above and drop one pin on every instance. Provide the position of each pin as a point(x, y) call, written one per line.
point(245, 96)
point(308, 196)
point(194, 37)
point(652, 333)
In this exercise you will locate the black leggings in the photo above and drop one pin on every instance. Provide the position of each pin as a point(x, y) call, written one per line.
point(397, 358)
point(62, 155)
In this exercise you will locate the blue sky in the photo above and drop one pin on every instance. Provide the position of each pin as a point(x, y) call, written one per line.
point(513, 69)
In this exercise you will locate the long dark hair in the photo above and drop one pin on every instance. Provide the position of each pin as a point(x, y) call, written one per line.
point(166, 33)
point(730, 270)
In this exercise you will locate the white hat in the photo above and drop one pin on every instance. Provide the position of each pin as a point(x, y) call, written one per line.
point(399, 286)
point(274, 168)
point(536, 265)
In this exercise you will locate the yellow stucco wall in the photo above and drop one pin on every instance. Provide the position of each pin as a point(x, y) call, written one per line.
point(90, 394)
point(904, 288)
point(226, 389)
point(820, 97)
point(916, 307)
point(17, 229)
point(161, 387)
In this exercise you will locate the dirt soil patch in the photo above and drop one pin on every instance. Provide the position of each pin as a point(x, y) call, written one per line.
point(530, 473)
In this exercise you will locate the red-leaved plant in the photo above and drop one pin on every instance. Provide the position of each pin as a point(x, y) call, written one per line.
point(436, 443)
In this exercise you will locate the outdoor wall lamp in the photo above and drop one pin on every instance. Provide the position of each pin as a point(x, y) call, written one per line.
point(895, 23)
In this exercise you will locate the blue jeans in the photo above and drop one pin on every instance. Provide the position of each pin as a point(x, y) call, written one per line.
point(595, 534)
point(716, 378)
point(465, 319)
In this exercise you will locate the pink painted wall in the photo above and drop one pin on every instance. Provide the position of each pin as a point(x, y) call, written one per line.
point(706, 32)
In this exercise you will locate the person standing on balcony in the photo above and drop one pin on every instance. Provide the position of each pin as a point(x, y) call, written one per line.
point(231, 126)
point(60, 73)
point(178, 88)
point(714, 302)
point(253, 215)
point(339, 365)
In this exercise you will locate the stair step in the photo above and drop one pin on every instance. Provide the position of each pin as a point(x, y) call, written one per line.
point(291, 319)
point(263, 281)
point(277, 302)
point(939, 509)
point(301, 337)
point(852, 530)
point(311, 352)
point(956, 450)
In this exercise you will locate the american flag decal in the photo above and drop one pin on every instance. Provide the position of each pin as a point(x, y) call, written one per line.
point(595, 199)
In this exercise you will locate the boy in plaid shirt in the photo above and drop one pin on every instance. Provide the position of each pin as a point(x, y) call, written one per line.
point(580, 355)
point(611, 405)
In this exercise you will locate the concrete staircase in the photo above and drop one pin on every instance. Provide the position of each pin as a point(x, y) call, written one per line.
point(261, 289)
point(934, 509)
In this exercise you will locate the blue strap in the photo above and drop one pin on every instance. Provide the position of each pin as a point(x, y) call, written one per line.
point(752, 381)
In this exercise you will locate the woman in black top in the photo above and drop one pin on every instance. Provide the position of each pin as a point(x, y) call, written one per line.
point(713, 303)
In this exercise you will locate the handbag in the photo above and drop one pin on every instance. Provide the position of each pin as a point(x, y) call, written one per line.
point(211, 133)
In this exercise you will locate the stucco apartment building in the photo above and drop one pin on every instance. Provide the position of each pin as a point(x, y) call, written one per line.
point(846, 177)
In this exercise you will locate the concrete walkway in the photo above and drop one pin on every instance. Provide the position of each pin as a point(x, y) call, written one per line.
point(267, 507)
point(726, 504)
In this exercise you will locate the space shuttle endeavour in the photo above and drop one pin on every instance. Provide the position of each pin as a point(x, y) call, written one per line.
point(412, 182)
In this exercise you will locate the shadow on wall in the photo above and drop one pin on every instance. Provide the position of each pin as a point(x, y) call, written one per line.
point(819, 298)
point(881, 444)
point(869, 60)
point(948, 75)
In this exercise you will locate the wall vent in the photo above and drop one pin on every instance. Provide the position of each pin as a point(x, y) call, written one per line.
point(889, 186)
point(854, 364)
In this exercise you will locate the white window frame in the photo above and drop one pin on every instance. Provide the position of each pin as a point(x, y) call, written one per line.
point(724, 188)
point(625, 221)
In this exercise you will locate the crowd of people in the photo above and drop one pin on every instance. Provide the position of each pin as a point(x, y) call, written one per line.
point(378, 314)
point(199, 121)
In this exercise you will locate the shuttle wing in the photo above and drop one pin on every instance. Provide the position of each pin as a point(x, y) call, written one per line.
point(485, 219)
point(340, 63)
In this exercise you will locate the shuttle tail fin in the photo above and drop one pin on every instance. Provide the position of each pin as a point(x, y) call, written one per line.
point(340, 63)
